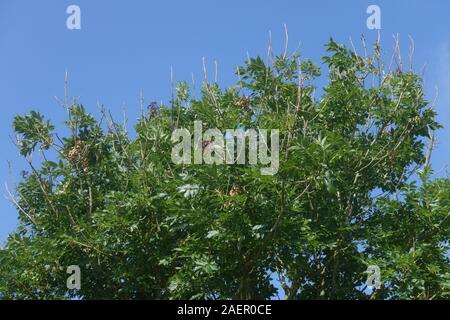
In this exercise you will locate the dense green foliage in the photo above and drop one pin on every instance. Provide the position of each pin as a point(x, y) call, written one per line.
point(142, 227)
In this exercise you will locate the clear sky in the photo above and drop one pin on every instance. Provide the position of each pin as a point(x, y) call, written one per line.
point(126, 46)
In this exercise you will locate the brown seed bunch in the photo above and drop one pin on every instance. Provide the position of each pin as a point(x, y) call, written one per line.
point(205, 145)
point(78, 155)
point(234, 191)
point(243, 102)
point(153, 110)
point(392, 157)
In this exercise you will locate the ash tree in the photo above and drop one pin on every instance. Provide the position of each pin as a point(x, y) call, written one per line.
point(354, 189)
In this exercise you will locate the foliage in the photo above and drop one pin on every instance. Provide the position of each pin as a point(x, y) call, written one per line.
point(141, 227)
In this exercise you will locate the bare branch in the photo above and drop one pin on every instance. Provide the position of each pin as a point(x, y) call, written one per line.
point(286, 41)
point(16, 203)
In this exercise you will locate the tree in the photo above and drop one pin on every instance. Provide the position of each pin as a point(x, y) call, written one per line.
point(141, 227)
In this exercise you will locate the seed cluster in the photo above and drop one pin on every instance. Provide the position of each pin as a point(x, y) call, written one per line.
point(243, 102)
point(78, 156)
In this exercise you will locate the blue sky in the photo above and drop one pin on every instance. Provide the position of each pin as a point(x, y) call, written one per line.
point(126, 46)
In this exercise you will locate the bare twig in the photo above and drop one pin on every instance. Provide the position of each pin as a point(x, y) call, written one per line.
point(269, 49)
point(16, 203)
point(411, 52)
point(286, 41)
point(429, 149)
point(215, 71)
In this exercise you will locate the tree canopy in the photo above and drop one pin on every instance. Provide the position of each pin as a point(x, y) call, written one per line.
point(353, 189)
